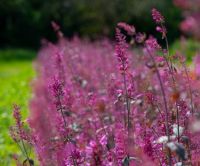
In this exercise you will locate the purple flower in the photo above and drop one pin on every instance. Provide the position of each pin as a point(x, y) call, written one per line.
point(140, 37)
point(55, 26)
point(130, 29)
point(162, 30)
point(121, 51)
point(157, 17)
point(152, 44)
point(83, 112)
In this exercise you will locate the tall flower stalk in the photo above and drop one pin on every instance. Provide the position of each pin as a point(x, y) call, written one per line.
point(121, 52)
point(151, 44)
point(19, 135)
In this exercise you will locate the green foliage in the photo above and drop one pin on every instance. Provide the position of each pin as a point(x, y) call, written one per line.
point(15, 78)
point(25, 22)
point(188, 47)
point(16, 54)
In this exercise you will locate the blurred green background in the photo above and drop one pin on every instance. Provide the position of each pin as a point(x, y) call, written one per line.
point(23, 23)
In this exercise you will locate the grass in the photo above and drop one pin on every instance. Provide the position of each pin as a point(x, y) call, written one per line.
point(15, 78)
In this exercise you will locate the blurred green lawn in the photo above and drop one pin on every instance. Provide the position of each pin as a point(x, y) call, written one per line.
point(188, 47)
point(16, 73)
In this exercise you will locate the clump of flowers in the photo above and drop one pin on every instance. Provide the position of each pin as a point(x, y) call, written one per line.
point(99, 105)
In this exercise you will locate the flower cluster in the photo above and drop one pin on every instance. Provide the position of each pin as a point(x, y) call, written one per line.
point(86, 112)
point(121, 51)
point(157, 16)
point(130, 29)
point(152, 43)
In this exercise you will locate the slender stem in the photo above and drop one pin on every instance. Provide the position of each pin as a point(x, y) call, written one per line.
point(152, 128)
point(61, 110)
point(74, 162)
point(127, 102)
point(164, 101)
point(189, 87)
point(65, 125)
point(20, 148)
point(167, 47)
point(27, 157)
point(158, 110)
point(163, 94)
point(173, 79)
point(128, 110)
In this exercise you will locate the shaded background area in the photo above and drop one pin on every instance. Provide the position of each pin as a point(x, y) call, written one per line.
point(24, 22)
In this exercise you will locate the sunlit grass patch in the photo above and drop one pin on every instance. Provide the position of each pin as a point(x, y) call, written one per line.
point(15, 78)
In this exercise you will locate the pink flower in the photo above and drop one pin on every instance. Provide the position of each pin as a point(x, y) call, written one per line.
point(157, 17)
point(130, 29)
point(140, 37)
point(162, 30)
point(152, 44)
point(55, 26)
point(121, 51)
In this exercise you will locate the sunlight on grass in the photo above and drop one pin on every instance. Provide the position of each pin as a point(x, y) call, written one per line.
point(15, 78)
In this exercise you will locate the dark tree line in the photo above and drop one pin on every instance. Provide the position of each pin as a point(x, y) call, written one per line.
point(24, 22)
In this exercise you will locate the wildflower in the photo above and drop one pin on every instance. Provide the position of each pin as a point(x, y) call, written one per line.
point(152, 44)
point(83, 122)
point(17, 132)
point(19, 135)
point(104, 140)
point(140, 37)
point(55, 26)
point(94, 152)
point(13, 134)
point(157, 17)
point(130, 29)
point(162, 30)
point(17, 116)
point(75, 158)
point(130, 90)
point(57, 92)
point(121, 51)
point(151, 99)
point(120, 143)
point(160, 60)
point(148, 149)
